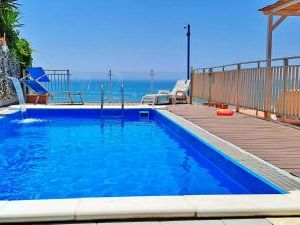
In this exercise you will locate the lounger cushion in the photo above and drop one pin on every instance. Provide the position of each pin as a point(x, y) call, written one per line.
point(38, 73)
point(36, 87)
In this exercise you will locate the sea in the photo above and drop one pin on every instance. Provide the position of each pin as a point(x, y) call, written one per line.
point(134, 90)
point(136, 85)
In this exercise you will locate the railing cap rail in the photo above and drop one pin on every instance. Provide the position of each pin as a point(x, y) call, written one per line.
point(65, 70)
point(249, 62)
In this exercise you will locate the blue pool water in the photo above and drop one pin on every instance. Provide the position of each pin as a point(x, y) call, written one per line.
point(68, 153)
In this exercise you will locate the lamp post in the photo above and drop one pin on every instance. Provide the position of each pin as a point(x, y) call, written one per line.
point(110, 86)
point(188, 34)
point(151, 81)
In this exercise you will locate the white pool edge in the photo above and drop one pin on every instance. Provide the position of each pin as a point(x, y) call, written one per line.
point(151, 207)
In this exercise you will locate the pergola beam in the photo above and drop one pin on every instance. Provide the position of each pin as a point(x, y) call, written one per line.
point(278, 22)
point(284, 6)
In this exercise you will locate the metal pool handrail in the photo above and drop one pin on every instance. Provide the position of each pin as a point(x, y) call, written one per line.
point(102, 96)
point(122, 96)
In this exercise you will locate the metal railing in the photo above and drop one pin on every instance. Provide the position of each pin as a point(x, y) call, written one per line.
point(59, 84)
point(102, 96)
point(265, 85)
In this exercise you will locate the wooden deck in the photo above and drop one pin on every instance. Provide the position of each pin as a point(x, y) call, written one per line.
point(276, 143)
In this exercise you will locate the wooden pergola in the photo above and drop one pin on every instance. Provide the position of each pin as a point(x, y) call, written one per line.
point(283, 9)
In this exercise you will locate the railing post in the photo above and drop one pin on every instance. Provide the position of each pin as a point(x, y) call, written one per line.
point(237, 107)
point(192, 85)
point(258, 71)
point(68, 80)
point(268, 93)
point(285, 75)
point(209, 84)
point(68, 86)
point(203, 86)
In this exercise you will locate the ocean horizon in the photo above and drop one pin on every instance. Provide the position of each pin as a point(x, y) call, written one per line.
point(134, 90)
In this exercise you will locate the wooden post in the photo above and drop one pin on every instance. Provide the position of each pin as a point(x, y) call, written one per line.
point(269, 40)
point(268, 83)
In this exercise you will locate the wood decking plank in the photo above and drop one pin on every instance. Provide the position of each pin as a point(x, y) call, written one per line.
point(274, 142)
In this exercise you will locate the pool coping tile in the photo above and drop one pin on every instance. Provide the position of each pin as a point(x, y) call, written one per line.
point(38, 210)
point(134, 207)
point(245, 205)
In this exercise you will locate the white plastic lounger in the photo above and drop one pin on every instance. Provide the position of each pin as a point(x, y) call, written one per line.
point(179, 94)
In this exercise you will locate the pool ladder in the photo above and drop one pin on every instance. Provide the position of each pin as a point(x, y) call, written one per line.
point(102, 98)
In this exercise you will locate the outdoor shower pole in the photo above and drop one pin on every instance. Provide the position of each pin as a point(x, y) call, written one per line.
point(110, 86)
point(188, 34)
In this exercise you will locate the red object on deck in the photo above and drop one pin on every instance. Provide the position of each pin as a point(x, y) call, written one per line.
point(224, 112)
point(32, 98)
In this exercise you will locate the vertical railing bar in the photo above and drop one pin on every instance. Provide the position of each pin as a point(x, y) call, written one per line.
point(243, 86)
point(68, 77)
point(253, 82)
point(237, 109)
point(257, 85)
point(274, 72)
point(297, 105)
point(275, 84)
point(285, 74)
point(209, 85)
point(192, 84)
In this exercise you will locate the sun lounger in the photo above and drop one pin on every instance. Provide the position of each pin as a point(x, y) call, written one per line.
point(36, 76)
point(179, 94)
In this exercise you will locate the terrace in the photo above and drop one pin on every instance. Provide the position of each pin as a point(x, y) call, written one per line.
point(261, 139)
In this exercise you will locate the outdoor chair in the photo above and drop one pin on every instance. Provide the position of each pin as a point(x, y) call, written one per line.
point(179, 94)
point(35, 78)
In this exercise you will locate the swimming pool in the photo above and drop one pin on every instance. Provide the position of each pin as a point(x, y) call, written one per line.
point(78, 153)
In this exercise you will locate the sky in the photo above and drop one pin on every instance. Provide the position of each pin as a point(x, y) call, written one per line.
point(134, 36)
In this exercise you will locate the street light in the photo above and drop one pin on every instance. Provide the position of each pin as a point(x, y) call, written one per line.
point(188, 34)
